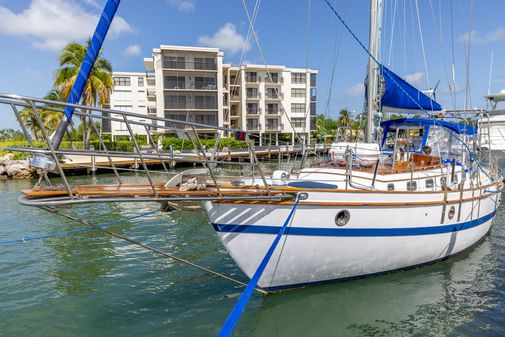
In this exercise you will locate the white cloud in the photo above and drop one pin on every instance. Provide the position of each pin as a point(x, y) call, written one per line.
point(50, 24)
point(226, 38)
point(184, 6)
point(356, 90)
point(132, 50)
point(415, 78)
point(493, 36)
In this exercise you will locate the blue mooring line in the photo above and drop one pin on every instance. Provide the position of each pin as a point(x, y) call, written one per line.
point(239, 307)
point(86, 229)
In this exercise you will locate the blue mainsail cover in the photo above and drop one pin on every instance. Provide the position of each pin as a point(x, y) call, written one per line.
point(398, 93)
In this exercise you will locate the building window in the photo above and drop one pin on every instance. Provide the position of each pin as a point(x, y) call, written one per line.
point(272, 93)
point(274, 76)
point(252, 124)
point(178, 116)
point(313, 108)
point(272, 109)
point(206, 102)
point(298, 122)
point(205, 63)
point(175, 82)
point(298, 92)
point(313, 123)
point(174, 62)
point(297, 107)
point(313, 81)
point(175, 102)
point(121, 95)
point(140, 81)
point(208, 83)
point(122, 81)
point(207, 119)
point(252, 108)
point(272, 124)
point(141, 96)
point(298, 78)
point(251, 77)
point(313, 94)
point(252, 92)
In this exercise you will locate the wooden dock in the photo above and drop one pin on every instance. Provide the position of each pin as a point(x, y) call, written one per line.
point(93, 163)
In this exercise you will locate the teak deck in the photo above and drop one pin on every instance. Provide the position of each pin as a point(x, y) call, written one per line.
point(130, 190)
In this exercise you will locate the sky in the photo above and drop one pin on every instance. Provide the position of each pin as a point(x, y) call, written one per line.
point(294, 33)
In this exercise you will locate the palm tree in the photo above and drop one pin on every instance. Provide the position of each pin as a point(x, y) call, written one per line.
point(52, 118)
point(29, 119)
point(97, 89)
point(344, 118)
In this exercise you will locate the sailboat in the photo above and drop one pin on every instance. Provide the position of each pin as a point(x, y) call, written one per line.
point(415, 195)
point(422, 196)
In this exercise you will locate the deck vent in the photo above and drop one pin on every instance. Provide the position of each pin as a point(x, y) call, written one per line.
point(342, 218)
point(451, 213)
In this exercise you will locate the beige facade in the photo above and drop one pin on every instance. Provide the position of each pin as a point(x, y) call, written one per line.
point(193, 84)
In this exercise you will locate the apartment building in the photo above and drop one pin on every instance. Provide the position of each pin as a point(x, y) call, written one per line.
point(129, 94)
point(193, 84)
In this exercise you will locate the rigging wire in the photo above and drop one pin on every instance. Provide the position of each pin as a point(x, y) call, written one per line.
point(422, 45)
point(452, 54)
point(392, 34)
point(468, 99)
point(472, 154)
point(266, 66)
point(149, 248)
point(438, 26)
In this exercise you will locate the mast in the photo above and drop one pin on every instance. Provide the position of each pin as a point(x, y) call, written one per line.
point(373, 67)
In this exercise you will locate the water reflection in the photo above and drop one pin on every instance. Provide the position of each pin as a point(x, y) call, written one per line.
point(429, 301)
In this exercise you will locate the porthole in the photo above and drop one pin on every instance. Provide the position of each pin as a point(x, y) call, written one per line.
point(429, 183)
point(451, 213)
point(303, 196)
point(391, 187)
point(342, 218)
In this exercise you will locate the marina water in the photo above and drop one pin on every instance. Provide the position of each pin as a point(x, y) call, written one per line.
point(89, 284)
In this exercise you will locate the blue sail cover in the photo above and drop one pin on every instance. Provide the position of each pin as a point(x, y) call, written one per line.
point(89, 59)
point(398, 93)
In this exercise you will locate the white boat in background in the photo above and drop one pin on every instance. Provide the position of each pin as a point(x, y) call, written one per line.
point(493, 128)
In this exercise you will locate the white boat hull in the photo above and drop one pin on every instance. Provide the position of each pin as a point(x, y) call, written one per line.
point(376, 239)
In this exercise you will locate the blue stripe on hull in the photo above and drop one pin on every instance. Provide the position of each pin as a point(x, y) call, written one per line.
point(364, 232)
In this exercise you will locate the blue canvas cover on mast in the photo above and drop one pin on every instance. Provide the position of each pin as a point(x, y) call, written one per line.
point(400, 94)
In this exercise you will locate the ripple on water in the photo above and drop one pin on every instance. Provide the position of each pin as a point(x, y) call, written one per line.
point(90, 284)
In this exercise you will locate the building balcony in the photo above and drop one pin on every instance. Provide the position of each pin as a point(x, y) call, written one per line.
point(253, 127)
point(191, 66)
point(275, 127)
point(151, 94)
point(235, 98)
point(190, 106)
point(274, 97)
point(254, 97)
point(253, 111)
point(192, 87)
point(274, 81)
point(274, 112)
